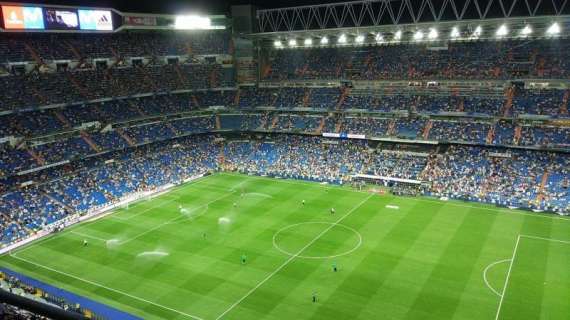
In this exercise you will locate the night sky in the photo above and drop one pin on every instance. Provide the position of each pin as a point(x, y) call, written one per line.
point(178, 6)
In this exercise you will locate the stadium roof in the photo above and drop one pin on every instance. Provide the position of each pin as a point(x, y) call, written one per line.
point(395, 12)
point(389, 21)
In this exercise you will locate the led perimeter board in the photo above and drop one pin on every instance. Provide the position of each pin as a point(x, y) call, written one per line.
point(54, 18)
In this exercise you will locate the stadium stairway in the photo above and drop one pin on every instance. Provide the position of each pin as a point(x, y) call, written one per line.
point(90, 141)
point(55, 200)
point(62, 119)
point(540, 194)
point(339, 70)
point(391, 128)
point(508, 106)
point(73, 50)
point(136, 107)
point(274, 122)
point(564, 105)
point(338, 125)
point(195, 101)
point(237, 97)
point(36, 93)
point(344, 94)
point(180, 76)
point(148, 79)
point(128, 139)
point(18, 126)
point(266, 70)
point(304, 70)
point(218, 122)
point(40, 62)
point(213, 79)
point(427, 129)
point(118, 58)
point(490, 134)
point(38, 158)
point(321, 126)
point(307, 97)
point(517, 136)
point(172, 129)
point(461, 105)
point(84, 93)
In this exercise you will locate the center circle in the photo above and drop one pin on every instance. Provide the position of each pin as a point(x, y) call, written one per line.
point(298, 230)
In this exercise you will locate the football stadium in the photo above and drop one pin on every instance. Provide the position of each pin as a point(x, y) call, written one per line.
point(371, 159)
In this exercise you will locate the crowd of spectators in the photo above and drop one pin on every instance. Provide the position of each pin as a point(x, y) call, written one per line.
point(40, 89)
point(520, 178)
point(99, 183)
point(460, 60)
point(399, 165)
point(69, 46)
point(309, 158)
point(507, 178)
point(111, 147)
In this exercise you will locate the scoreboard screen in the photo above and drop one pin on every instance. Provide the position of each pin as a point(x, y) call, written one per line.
point(23, 18)
point(61, 19)
point(98, 20)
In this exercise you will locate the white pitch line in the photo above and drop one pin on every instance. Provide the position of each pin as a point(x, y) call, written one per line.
point(107, 288)
point(496, 210)
point(88, 236)
point(485, 275)
point(507, 278)
point(145, 210)
point(174, 219)
point(292, 258)
point(545, 239)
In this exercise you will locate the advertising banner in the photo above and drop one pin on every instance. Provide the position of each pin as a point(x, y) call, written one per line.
point(16, 17)
point(99, 20)
point(140, 21)
point(61, 19)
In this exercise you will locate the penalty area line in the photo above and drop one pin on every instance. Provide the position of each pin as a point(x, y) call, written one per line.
point(107, 288)
point(88, 236)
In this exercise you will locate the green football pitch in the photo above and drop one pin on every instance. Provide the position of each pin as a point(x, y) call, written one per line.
point(179, 256)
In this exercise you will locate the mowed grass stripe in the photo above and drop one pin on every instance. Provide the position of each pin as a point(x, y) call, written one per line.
point(278, 272)
point(523, 295)
point(497, 246)
point(441, 292)
point(418, 260)
point(308, 276)
point(295, 283)
point(373, 266)
point(395, 273)
point(118, 277)
point(557, 282)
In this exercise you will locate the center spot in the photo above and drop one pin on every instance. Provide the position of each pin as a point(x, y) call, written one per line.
point(338, 241)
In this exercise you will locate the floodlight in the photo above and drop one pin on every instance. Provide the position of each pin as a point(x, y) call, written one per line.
point(432, 35)
point(308, 42)
point(278, 44)
point(455, 33)
point(192, 22)
point(502, 31)
point(359, 38)
point(554, 29)
point(527, 30)
point(419, 35)
point(292, 43)
point(478, 31)
point(379, 38)
point(398, 35)
point(342, 39)
point(324, 40)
